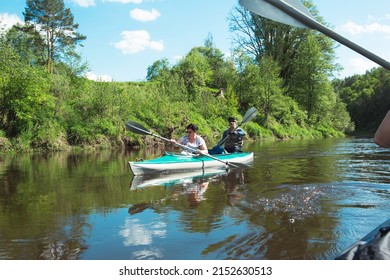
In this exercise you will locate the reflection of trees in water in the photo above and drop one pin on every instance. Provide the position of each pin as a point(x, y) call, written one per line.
point(206, 214)
point(281, 222)
point(59, 241)
point(45, 202)
point(287, 225)
point(198, 200)
point(67, 242)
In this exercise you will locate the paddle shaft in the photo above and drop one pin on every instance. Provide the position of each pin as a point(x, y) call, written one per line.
point(306, 20)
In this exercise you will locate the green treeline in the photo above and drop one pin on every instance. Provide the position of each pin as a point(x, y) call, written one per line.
point(367, 97)
point(285, 72)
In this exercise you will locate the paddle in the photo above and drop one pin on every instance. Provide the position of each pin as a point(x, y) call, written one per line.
point(139, 129)
point(293, 12)
point(249, 115)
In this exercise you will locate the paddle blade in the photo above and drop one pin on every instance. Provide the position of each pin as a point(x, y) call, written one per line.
point(137, 128)
point(267, 9)
point(249, 115)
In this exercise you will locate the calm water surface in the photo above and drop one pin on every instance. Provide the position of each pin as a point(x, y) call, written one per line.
point(300, 200)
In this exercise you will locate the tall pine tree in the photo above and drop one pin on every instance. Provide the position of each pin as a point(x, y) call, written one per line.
point(56, 25)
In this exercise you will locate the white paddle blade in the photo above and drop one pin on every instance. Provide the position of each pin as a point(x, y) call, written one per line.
point(265, 9)
point(137, 128)
point(249, 115)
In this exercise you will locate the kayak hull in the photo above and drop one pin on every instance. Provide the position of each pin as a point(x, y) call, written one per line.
point(184, 163)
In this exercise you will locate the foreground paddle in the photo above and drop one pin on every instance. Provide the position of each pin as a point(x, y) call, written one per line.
point(293, 12)
point(139, 129)
point(249, 115)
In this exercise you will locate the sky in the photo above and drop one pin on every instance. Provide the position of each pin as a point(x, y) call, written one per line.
point(125, 37)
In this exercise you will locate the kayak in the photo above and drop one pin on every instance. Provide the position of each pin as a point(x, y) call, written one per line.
point(374, 246)
point(172, 162)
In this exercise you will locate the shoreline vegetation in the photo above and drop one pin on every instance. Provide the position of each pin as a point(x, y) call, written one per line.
point(46, 103)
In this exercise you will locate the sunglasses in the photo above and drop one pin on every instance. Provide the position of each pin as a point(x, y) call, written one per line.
point(190, 131)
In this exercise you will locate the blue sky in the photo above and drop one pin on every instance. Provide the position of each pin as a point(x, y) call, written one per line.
point(124, 37)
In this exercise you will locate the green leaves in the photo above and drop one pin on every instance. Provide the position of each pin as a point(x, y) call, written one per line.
point(56, 26)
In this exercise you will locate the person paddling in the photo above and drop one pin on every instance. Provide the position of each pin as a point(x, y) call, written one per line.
point(233, 137)
point(192, 140)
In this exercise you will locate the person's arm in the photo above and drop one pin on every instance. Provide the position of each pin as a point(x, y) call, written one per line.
point(203, 147)
point(177, 142)
point(382, 135)
point(241, 132)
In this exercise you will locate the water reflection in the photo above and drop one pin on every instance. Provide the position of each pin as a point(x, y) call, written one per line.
point(197, 201)
point(300, 200)
point(191, 187)
point(285, 224)
point(45, 202)
point(136, 233)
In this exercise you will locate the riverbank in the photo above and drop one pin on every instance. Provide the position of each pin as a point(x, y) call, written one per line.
point(129, 140)
point(136, 141)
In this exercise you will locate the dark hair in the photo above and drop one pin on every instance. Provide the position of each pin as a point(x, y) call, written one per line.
point(192, 127)
point(232, 119)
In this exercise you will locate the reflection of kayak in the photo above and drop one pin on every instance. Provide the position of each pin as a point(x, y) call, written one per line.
point(192, 185)
point(171, 179)
point(374, 246)
point(187, 162)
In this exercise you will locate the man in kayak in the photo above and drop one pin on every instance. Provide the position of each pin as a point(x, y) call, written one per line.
point(233, 137)
point(195, 142)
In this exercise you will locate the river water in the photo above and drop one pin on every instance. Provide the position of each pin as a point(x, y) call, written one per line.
point(301, 200)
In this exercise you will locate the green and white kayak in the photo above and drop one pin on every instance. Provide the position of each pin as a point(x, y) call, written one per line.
point(189, 162)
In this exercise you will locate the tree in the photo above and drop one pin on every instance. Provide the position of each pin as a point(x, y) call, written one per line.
point(27, 43)
point(56, 25)
point(261, 37)
point(367, 97)
point(307, 80)
point(25, 102)
point(195, 71)
point(159, 69)
point(271, 85)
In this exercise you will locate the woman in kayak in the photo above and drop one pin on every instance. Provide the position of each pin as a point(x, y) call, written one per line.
point(195, 142)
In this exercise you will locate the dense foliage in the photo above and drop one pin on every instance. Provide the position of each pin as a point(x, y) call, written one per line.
point(45, 103)
point(367, 97)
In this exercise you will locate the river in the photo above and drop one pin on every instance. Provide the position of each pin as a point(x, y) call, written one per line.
point(301, 200)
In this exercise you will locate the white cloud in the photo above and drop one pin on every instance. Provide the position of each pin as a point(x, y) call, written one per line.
point(360, 65)
point(357, 29)
point(376, 19)
point(136, 233)
point(98, 78)
point(85, 3)
point(137, 41)
point(7, 21)
point(125, 1)
point(178, 57)
point(144, 15)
